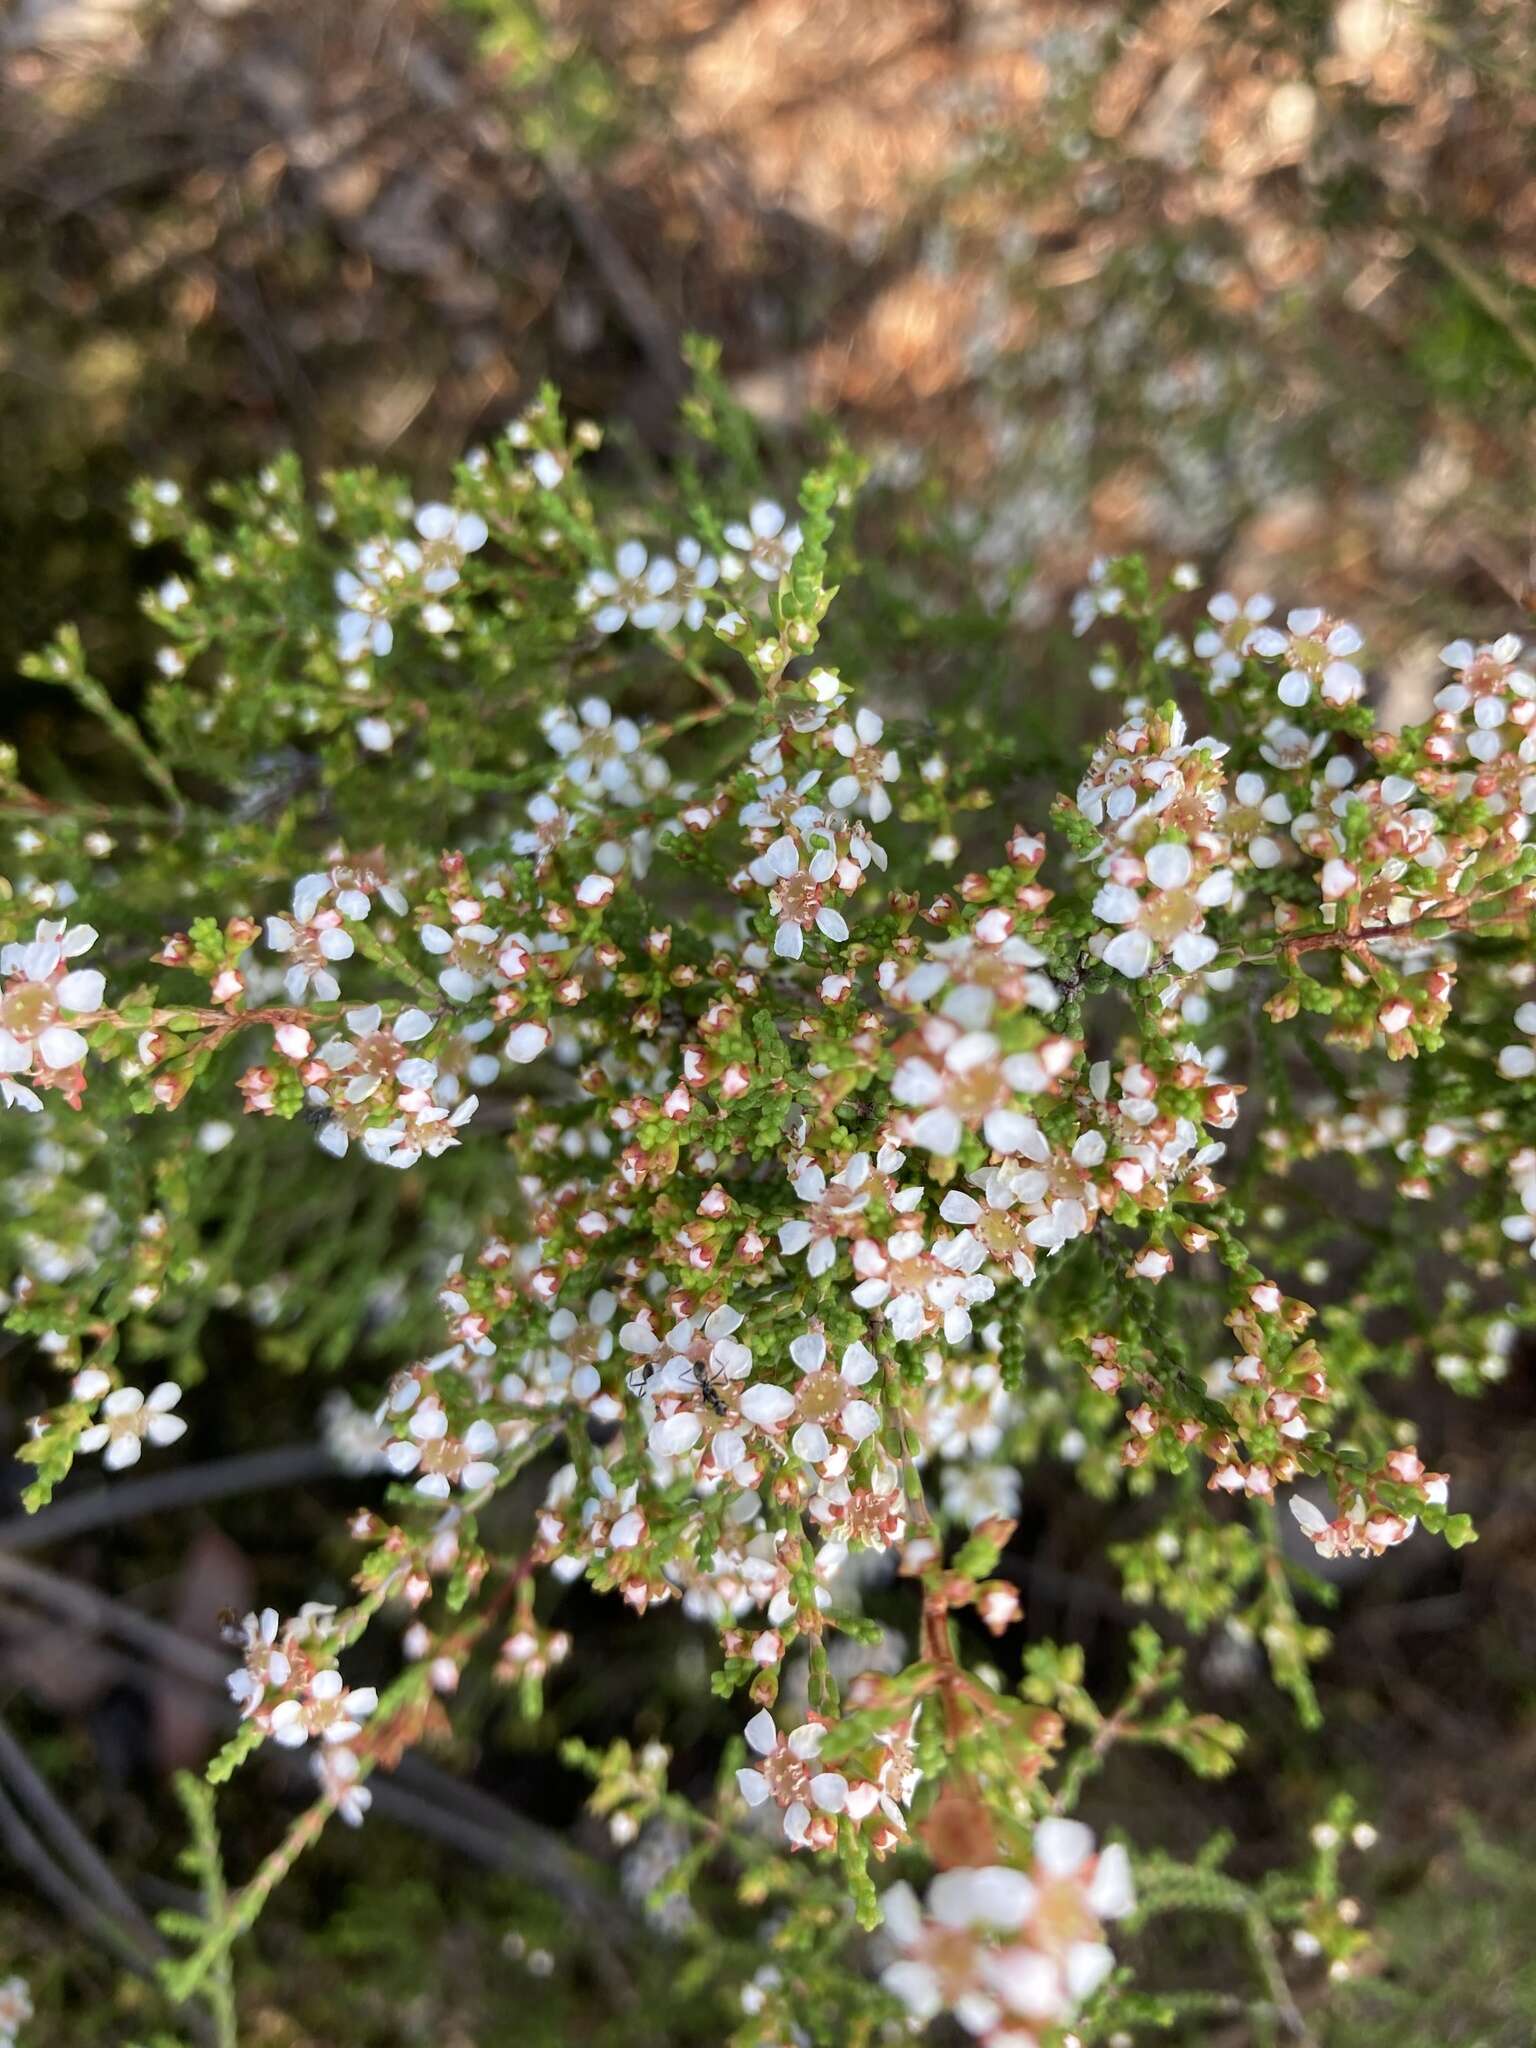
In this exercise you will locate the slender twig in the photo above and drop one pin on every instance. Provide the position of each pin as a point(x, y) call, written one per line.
point(29, 1855)
point(69, 1842)
point(164, 1492)
point(83, 1604)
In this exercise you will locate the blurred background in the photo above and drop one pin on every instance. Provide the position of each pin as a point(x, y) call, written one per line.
point(1252, 285)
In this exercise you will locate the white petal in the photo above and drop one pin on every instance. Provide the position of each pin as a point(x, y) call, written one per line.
point(1169, 865)
point(82, 990)
point(810, 1441)
point(761, 1734)
point(767, 1405)
point(829, 1790)
point(1088, 1964)
point(993, 1896)
point(1130, 953)
point(809, 1351)
point(676, 1434)
point(1112, 1891)
point(1062, 1847)
point(916, 1985)
point(938, 1130)
point(859, 1364)
point(860, 1419)
point(59, 1047)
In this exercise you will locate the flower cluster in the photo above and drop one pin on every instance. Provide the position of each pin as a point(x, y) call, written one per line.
point(288, 1687)
point(388, 577)
point(657, 593)
point(1011, 1953)
point(791, 1154)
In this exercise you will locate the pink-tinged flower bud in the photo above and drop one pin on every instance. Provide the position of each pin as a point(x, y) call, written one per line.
point(999, 1605)
point(1152, 1263)
point(1405, 1465)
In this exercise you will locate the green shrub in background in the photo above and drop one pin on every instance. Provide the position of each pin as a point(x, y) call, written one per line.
point(723, 1134)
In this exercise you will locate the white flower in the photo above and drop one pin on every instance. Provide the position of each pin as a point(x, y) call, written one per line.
point(1317, 650)
point(977, 1493)
point(449, 537)
point(526, 1041)
point(639, 589)
point(785, 1775)
point(39, 991)
point(870, 766)
point(339, 1772)
point(768, 544)
point(420, 1128)
point(325, 1707)
point(835, 1204)
point(377, 1053)
point(1008, 1952)
point(798, 894)
point(958, 1080)
point(130, 1416)
point(601, 756)
point(1231, 635)
point(315, 940)
point(441, 1458)
point(828, 1403)
point(15, 2008)
point(1166, 915)
point(368, 591)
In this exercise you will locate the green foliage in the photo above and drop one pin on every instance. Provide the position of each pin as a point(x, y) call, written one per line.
point(711, 1141)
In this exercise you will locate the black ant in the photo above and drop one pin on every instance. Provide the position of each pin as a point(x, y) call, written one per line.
point(709, 1392)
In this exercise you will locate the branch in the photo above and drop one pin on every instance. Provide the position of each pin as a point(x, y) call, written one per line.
point(165, 1492)
point(72, 1845)
point(29, 1854)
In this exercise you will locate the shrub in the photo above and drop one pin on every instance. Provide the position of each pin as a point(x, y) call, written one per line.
point(664, 1077)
